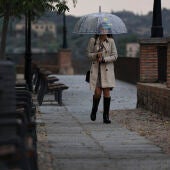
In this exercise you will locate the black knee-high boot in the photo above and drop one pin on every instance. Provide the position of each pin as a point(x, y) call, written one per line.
point(106, 103)
point(94, 108)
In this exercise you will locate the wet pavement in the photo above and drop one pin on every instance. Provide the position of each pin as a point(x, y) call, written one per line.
point(76, 143)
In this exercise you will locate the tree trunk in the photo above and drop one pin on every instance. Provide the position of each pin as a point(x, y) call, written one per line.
point(4, 36)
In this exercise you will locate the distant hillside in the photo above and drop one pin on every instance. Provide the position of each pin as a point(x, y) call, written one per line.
point(136, 24)
point(141, 24)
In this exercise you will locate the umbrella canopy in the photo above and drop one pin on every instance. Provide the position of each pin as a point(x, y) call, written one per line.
point(100, 23)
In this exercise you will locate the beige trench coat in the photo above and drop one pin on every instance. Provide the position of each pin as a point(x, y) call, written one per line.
point(107, 69)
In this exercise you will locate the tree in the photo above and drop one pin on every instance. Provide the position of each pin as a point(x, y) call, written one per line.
point(18, 8)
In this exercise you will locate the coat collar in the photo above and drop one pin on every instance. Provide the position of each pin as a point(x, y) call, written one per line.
point(106, 40)
point(105, 43)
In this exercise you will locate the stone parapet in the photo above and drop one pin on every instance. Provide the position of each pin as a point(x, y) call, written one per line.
point(154, 97)
point(64, 62)
point(149, 58)
point(168, 64)
point(148, 63)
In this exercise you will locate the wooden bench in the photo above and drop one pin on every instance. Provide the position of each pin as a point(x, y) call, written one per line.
point(44, 82)
point(16, 147)
point(36, 78)
point(17, 123)
point(49, 85)
point(18, 133)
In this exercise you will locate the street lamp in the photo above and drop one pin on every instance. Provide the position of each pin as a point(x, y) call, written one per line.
point(157, 29)
point(28, 59)
point(64, 31)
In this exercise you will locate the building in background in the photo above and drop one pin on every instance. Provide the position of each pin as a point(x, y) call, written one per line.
point(132, 49)
point(39, 27)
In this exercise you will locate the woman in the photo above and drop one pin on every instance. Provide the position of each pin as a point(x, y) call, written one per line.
point(102, 52)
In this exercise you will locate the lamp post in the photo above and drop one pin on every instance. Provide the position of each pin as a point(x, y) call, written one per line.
point(157, 29)
point(64, 31)
point(28, 59)
point(157, 32)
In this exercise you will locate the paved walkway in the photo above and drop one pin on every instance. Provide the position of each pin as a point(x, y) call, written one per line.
point(76, 143)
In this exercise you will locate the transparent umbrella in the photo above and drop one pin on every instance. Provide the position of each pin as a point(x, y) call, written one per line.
point(100, 23)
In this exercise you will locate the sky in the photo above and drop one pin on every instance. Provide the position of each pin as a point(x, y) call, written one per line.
point(84, 7)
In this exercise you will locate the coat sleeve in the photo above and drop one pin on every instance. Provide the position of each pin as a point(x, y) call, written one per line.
point(113, 55)
point(90, 50)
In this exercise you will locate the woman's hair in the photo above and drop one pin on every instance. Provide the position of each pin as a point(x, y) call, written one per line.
point(95, 37)
point(109, 35)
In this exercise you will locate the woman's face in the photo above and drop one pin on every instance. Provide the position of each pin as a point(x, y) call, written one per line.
point(103, 31)
point(103, 36)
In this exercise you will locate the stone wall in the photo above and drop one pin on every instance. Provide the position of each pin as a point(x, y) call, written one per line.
point(168, 65)
point(148, 63)
point(154, 97)
point(149, 58)
point(152, 94)
point(60, 63)
point(127, 69)
point(65, 62)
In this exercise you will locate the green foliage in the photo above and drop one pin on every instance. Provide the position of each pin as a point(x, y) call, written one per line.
point(37, 7)
point(34, 8)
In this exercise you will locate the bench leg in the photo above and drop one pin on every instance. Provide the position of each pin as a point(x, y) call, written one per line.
point(58, 97)
point(37, 85)
point(41, 95)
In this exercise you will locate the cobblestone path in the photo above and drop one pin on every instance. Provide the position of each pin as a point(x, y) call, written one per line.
point(76, 143)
